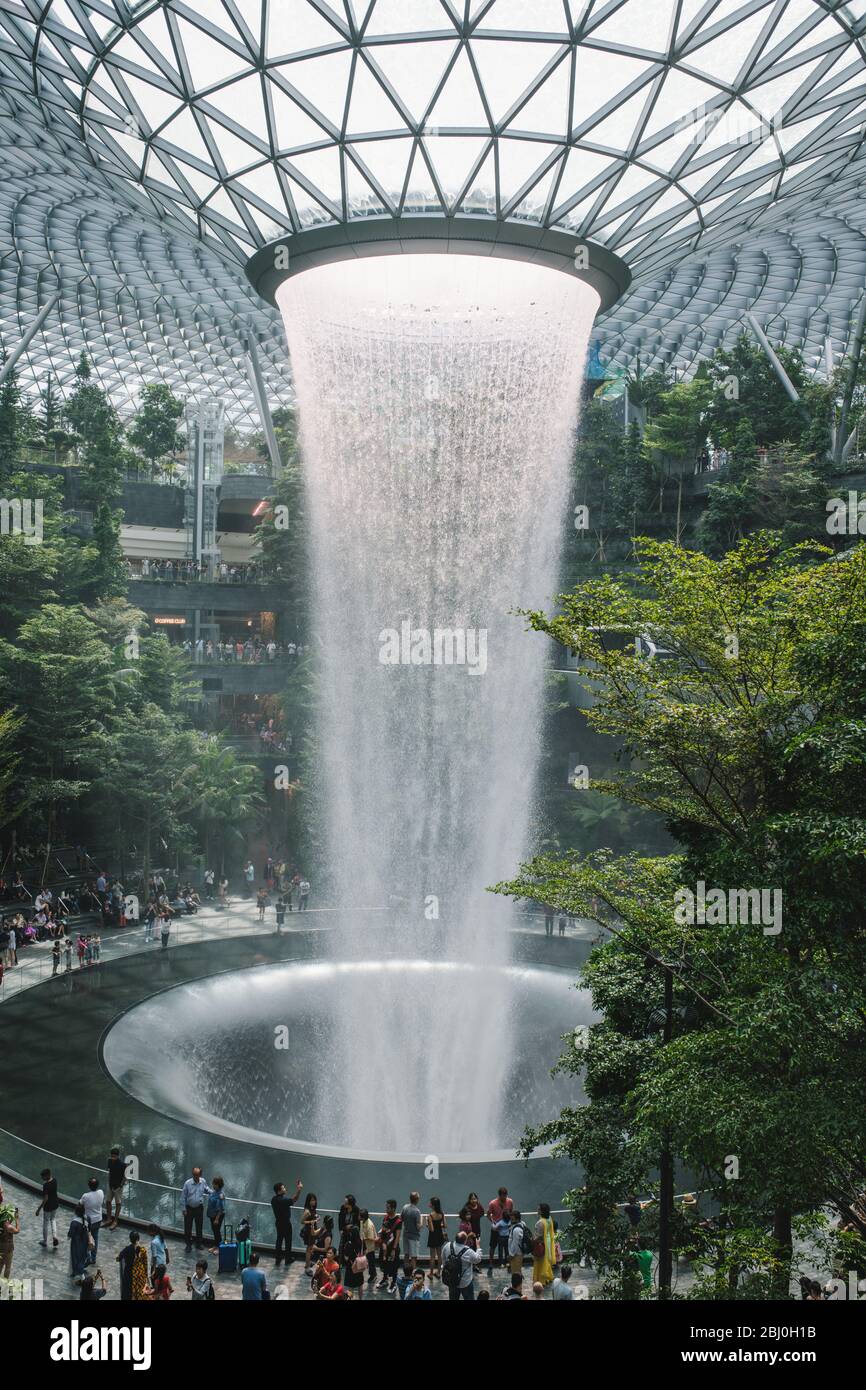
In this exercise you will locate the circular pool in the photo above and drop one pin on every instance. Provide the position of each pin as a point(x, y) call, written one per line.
point(250, 1054)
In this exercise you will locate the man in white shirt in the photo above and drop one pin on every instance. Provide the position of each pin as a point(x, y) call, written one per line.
point(468, 1257)
point(93, 1201)
point(562, 1290)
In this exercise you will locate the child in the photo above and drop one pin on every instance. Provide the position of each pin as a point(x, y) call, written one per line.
point(158, 1249)
point(162, 1287)
point(200, 1285)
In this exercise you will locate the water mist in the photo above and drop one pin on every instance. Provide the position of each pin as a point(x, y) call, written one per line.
point(438, 397)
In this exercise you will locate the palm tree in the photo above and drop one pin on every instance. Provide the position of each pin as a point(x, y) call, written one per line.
point(221, 794)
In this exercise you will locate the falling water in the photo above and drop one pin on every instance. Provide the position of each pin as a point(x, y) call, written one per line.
point(438, 398)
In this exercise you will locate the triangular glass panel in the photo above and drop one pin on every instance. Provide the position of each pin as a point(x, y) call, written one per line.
point(244, 104)
point(459, 103)
point(527, 16)
point(481, 197)
point(370, 108)
point(723, 57)
point(414, 70)
point(453, 157)
point(210, 62)
point(505, 76)
point(646, 26)
point(519, 160)
point(324, 82)
point(619, 130)
point(400, 17)
point(322, 167)
point(600, 76)
point(294, 26)
point(547, 110)
point(293, 127)
point(387, 161)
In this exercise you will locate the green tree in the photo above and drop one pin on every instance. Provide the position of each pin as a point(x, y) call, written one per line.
point(749, 738)
point(220, 795)
point(677, 434)
point(281, 536)
point(154, 432)
point(144, 766)
point(16, 426)
point(98, 433)
point(56, 677)
point(745, 387)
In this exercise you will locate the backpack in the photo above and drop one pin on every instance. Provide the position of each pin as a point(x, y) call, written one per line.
point(452, 1270)
point(527, 1244)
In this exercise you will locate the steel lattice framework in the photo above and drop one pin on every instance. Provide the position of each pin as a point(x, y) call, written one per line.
point(153, 147)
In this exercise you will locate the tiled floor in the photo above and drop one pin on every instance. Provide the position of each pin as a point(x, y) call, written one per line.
point(211, 924)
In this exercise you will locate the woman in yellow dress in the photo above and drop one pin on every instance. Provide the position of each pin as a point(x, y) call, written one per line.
point(141, 1289)
point(544, 1249)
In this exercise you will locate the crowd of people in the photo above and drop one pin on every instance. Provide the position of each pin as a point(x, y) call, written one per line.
point(193, 571)
point(341, 1257)
point(249, 650)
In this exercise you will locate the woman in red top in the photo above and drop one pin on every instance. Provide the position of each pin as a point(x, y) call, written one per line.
point(162, 1289)
point(331, 1291)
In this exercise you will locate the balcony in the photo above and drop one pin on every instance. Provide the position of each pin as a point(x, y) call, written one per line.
point(184, 596)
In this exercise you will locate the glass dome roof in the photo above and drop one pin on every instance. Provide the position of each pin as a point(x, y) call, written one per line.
point(692, 138)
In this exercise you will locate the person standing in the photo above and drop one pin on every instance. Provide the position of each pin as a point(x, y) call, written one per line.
point(458, 1261)
point(389, 1245)
point(55, 956)
point(10, 1227)
point(500, 1206)
point(548, 920)
point(309, 1224)
point(158, 1249)
point(354, 1259)
point(48, 1207)
point(562, 1290)
point(249, 877)
point(281, 912)
point(519, 1242)
point(79, 1241)
point(216, 1211)
point(544, 1248)
point(116, 1183)
point(281, 1204)
point(93, 1201)
point(209, 877)
point(192, 1198)
point(303, 895)
point(164, 927)
point(368, 1236)
point(126, 1259)
point(410, 1218)
point(437, 1228)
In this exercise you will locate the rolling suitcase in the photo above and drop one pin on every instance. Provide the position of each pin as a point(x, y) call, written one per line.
point(228, 1254)
point(245, 1244)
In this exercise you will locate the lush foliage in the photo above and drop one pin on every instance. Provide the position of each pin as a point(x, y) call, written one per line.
point(748, 737)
